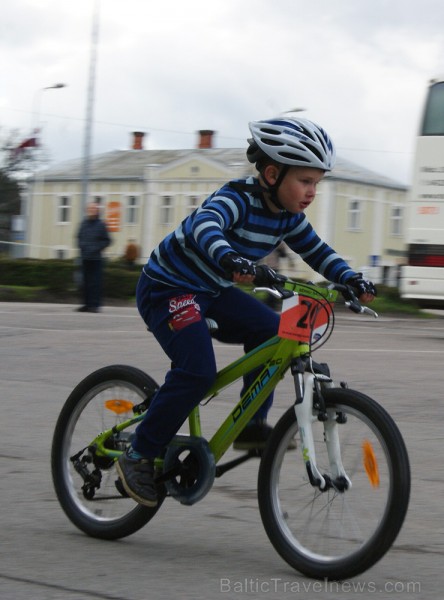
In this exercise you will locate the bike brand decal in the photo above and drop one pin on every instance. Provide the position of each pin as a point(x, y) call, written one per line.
point(252, 394)
point(184, 310)
point(305, 449)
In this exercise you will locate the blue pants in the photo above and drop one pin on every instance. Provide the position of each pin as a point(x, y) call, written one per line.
point(177, 319)
point(92, 282)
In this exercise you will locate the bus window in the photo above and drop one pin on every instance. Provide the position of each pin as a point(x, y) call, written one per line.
point(433, 121)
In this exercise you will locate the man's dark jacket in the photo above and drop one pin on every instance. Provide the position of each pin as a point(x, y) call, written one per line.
point(93, 238)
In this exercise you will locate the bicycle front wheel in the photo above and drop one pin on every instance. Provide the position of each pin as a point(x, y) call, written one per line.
point(87, 486)
point(336, 534)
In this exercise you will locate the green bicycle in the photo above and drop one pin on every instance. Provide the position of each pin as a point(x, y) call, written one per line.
point(332, 507)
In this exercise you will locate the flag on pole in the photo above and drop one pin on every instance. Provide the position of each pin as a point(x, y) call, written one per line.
point(31, 142)
point(17, 154)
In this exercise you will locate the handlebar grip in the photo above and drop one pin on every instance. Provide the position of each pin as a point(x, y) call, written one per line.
point(268, 277)
point(353, 306)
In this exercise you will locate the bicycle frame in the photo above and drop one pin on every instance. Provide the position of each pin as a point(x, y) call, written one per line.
point(275, 357)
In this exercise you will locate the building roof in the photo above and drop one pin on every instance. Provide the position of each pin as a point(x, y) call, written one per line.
point(131, 165)
point(346, 170)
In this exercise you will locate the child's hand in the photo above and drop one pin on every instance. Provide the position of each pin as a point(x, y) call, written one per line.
point(239, 278)
point(238, 269)
point(365, 290)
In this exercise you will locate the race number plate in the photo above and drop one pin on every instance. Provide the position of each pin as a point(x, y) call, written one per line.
point(304, 319)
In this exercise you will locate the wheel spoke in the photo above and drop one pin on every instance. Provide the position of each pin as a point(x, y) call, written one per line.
point(87, 485)
point(337, 532)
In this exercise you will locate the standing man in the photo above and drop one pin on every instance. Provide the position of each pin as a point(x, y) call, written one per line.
point(92, 238)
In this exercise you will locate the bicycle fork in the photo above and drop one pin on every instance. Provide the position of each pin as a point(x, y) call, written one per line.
point(305, 384)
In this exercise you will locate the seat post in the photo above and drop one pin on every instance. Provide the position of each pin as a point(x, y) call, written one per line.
point(194, 422)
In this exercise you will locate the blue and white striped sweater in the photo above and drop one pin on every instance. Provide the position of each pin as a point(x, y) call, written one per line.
point(229, 220)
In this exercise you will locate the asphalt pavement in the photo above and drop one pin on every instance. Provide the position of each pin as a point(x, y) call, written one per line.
point(216, 548)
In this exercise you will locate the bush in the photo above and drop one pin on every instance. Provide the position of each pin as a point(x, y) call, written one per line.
point(54, 275)
point(120, 283)
point(388, 300)
point(60, 277)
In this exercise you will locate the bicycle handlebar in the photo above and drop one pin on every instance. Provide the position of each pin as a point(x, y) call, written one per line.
point(348, 293)
point(351, 300)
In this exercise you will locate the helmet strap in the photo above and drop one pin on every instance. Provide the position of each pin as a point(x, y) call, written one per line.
point(272, 188)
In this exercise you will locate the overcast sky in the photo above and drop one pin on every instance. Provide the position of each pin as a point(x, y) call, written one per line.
point(170, 68)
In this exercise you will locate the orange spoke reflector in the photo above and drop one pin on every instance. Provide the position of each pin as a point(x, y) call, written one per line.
point(370, 463)
point(119, 406)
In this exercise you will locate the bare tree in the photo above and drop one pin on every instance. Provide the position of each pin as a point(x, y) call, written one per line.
point(18, 151)
point(17, 159)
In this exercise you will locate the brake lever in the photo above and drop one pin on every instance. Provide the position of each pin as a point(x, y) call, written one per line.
point(351, 301)
point(359, 309)
point(370, 311)
point(279, 293)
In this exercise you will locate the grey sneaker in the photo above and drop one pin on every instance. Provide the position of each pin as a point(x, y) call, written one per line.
point(137, 476)
point(255, 437)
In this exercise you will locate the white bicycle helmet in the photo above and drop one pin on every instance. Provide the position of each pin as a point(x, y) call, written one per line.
point(292, 142)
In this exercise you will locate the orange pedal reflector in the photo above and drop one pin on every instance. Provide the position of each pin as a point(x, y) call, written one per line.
point(119, 406)
point(370, 463)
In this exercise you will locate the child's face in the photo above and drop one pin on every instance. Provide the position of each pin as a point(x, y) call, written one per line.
point(298, 189)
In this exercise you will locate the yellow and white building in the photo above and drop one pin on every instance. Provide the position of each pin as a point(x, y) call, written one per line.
point(144, 194)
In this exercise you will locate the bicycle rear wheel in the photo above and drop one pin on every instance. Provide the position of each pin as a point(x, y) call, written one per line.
point(336, 534)
point(96, 404)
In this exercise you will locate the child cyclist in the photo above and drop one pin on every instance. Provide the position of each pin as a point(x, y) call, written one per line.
point(190, 276)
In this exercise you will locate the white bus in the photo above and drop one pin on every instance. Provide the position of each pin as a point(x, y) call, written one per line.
point(422, 279)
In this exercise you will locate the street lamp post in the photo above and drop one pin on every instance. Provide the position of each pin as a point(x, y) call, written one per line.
point(36, 116)
point(90, 107)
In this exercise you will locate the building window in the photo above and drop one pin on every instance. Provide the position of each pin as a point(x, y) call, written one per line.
point(61, 253)
point(396, 220)
point(354, 215)
point(193, 203)
point(64, 210)
point(166, 210)
point(132, 210)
